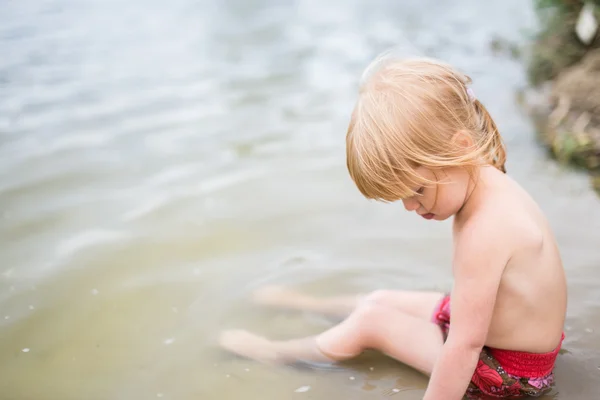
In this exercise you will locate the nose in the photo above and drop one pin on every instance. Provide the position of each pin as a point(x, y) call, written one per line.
point(411, 204)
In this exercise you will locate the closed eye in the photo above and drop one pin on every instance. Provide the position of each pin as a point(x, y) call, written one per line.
point(420, 190)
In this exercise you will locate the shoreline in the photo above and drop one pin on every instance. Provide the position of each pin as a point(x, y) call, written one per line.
point(563, 95)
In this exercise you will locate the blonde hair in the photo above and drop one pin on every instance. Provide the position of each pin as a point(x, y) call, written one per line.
point(406, 116)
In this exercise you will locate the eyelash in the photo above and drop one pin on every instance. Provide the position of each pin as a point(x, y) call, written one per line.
point(420, 190)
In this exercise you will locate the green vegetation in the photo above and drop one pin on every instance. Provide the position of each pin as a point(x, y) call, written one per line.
point(568, 122)
point(557, 46)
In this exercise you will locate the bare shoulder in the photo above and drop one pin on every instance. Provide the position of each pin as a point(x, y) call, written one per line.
point(504, 224)
point(484, 235)
point(519, 219)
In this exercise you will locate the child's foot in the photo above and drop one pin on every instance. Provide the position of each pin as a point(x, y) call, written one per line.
point(258, 348)
point(249, 345)
point(281, 296)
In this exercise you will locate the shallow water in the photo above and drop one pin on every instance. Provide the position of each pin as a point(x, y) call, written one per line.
point(160, 160)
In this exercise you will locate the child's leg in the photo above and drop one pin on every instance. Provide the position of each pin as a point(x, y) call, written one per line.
point(418, 304)
point(409, 339)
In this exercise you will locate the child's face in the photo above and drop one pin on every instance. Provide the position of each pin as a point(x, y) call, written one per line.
point(442, 200)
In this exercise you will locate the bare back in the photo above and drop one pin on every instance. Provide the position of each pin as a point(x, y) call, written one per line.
point(531, 301)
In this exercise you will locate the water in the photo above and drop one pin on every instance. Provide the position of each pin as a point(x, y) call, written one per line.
point(160, 160)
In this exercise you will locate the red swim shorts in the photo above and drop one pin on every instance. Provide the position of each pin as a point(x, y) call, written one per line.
point(504, 373)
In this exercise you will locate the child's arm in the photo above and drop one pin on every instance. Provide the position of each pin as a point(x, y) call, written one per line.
point(479, 262)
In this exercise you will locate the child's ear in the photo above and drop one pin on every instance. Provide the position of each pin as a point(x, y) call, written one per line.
point(463, 138)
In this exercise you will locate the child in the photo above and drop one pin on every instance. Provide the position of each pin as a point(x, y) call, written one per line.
point(419, 135)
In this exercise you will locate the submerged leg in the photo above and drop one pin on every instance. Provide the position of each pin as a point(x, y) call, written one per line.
point(418, 304)
point(409, 339)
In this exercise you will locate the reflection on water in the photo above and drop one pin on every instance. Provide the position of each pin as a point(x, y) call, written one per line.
point(159, 160)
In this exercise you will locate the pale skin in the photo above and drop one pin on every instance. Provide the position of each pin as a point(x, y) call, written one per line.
point(509, 291)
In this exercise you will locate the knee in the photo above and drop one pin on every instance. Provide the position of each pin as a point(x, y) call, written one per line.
point(370, 317)
point(380, 296)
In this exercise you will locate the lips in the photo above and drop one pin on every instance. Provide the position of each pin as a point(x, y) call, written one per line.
point(428, 216)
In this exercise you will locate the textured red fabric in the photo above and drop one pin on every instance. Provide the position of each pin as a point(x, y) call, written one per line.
point(518, 363)
point(531, 365)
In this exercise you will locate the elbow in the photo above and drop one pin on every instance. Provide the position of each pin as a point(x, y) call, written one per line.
point(471, 344)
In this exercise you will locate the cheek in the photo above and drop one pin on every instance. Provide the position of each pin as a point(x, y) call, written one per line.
point(431, 200)
point(441, 201)
point(449, 200)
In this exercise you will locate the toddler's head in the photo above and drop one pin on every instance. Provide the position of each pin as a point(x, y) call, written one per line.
point(414, 120)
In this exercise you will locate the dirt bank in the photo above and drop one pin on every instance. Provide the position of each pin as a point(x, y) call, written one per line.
point(564, 71)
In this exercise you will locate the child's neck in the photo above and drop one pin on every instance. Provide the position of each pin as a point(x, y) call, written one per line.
point(483, 178)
